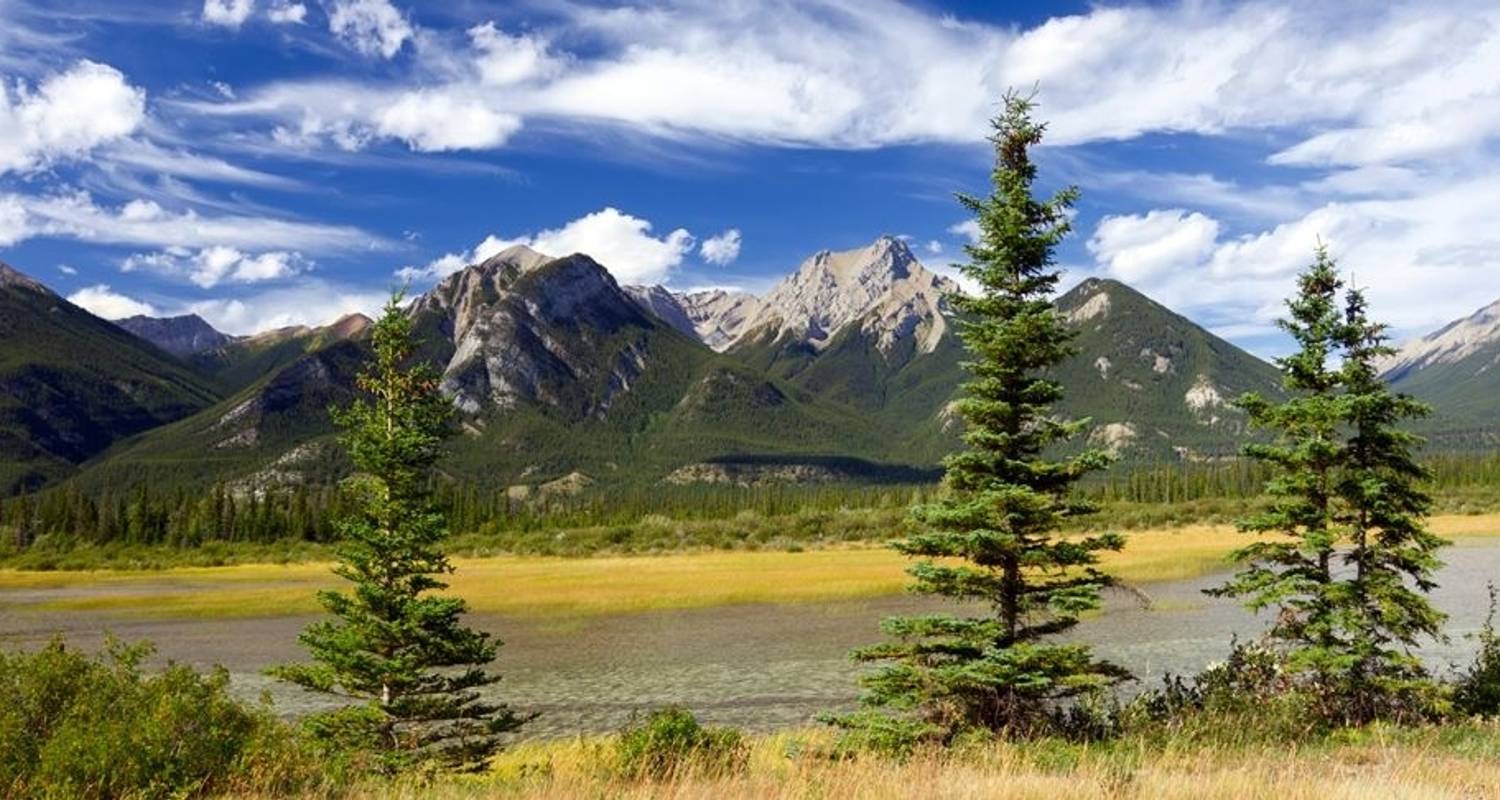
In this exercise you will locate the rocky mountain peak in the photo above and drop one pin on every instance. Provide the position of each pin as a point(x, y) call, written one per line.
point(519, 256)
point(182, 335)
point(882, 285)
point(528, 328)
point(1451, 344)
point(12, 277)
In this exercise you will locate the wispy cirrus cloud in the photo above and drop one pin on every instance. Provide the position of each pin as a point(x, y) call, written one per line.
point(143, 222)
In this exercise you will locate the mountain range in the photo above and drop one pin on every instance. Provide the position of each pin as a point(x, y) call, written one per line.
point(561, 378)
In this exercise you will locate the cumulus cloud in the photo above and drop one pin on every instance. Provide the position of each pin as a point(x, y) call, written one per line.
point(283, 12)
point(623, 244)
point(436, 121)
point(146, 223)
point(1427, 257)
point(211, 266)
point(371, 27)
point(69, 114)
point(722, 249)
point(229, 13)
point(102, 301)
point(13, 222)
point(306, 302)
point(505, 60)
point(968, 229)
point(1136, 247)
point(449, 263)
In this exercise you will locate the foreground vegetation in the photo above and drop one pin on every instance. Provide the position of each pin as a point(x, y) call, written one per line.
point(94, 727)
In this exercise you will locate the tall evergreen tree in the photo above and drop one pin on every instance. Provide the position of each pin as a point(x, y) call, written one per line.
point(993, 538)
point(1353, 560)
point(1293, 572)
point(1383, 507)
point(393, 645)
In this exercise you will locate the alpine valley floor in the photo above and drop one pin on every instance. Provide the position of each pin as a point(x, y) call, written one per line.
point(754, 639)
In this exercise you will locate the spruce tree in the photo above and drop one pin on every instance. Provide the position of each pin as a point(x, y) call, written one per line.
point(394, 646)
point(1391, 556)
point(1348, 572)
point(992, 538)
point(1293, 572)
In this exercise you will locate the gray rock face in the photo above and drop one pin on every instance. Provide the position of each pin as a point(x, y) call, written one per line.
point(1461, 340)
point(14, 278)
point(882, 287)
point(525, 328)
point(180, 336)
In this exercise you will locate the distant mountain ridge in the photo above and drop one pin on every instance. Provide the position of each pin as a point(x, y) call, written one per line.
point(1457, 370)
point(846, 369)
point(181, 336)
point(882, 285)
point(72, 384)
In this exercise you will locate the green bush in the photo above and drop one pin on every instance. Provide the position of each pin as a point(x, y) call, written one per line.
point(670, 741)
point(77, 726)
point(1478, 689)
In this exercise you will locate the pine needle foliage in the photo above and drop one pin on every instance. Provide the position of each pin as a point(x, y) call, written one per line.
point(992, 539)
point(1391, 557)
point(1351, 559)
point(393, 645)
point(1293, 572)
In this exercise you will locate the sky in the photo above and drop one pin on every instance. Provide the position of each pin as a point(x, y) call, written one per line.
point(273, 162)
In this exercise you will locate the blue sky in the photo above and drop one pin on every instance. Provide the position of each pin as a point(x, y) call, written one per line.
point(270, 162)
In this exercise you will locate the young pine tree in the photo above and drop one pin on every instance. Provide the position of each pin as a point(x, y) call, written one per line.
point(1349, 572)
point(1293, 573)
point(993, 537)
point(1391, 556)
point(392, 645)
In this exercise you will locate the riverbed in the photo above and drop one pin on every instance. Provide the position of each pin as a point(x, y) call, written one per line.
point(759, 666)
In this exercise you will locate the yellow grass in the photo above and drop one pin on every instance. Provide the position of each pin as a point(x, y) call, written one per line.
point(532, 586)
point(1418, 769)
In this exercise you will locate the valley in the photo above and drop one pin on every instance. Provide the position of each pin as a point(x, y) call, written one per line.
point(755, 640)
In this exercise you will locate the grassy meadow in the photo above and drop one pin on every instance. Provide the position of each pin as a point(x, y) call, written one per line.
point(1456, 761)
point(555, 586)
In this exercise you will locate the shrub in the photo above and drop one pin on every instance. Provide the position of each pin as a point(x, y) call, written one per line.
point(95, 727)
point(670, 741)
point(1478, 690)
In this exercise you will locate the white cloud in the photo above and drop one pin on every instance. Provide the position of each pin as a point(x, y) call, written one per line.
point(1136, 248)
point(449, 263)
point(722, 249)
point(308, 302)
point(372, 27)
point(1427, 257)
point(436, 121)
point(839, 73)
point(283, 12)
point(934, 247)
point(13, 225)
point(229, 13)
point(621, 243)
point(104, 302)
point(66, 116)
point(968, 229)
point(145, 223)
point(505, 60)
point(156, 160)
point(67, 270)
point(211, 266)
